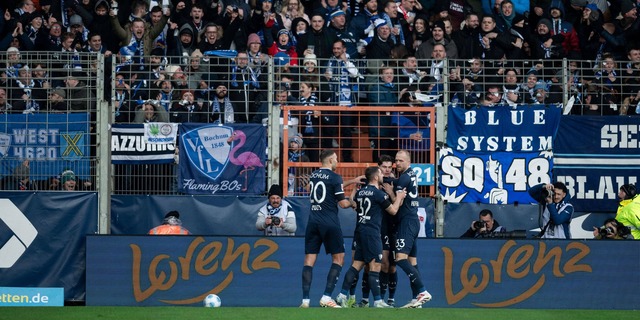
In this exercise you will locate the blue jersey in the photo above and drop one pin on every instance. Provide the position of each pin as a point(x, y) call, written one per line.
point(409, 207)
point(371, 206)
point(326, 192)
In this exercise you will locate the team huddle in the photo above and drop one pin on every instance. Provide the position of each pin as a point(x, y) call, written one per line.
point(385, 236)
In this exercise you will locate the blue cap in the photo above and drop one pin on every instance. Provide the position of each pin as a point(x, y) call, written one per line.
point(281, 58)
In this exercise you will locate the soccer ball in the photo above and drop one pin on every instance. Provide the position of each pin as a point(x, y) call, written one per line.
point(212, 301)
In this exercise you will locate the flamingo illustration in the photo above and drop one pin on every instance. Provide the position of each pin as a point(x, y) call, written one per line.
point(248, 159)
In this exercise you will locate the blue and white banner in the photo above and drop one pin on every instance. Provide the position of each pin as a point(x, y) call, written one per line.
point(498, 178)
point(218, 159)
point(482, 130)
point(128, 146)
point(594, 156)
point(494, 155)
point(52, 143)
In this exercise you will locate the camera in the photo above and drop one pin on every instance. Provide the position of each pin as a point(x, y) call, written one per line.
point(605, 231)
point(275, 220)
point(548, 193)
point(479, 225)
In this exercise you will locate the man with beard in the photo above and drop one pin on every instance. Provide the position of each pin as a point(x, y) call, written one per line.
point(465, 35)
point(181, 42)
point(318, 38)
point(426, 48)
point(246, 88)
point(363, 20)
point(221, 107)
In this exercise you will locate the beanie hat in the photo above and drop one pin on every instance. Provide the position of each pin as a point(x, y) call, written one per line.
point(546, 22)
point(275, 190)
point(629, 190)
point(67, 175)
point(157, 52)
point(337, 13)
point(283, 31)
point(379, 23)
point(75, 20)
point(253, 38)
point(626, 6)
point(310, 58)
point(173, 213)
point(297, 139)
point(59, 92)
point(438, 24)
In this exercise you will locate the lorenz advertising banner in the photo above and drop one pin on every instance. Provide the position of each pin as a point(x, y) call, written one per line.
point(494, 155)
point(217, 159)
point(595, 156)
point(260, 271)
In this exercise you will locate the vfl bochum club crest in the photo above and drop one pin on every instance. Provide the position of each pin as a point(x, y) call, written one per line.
point(207, 149)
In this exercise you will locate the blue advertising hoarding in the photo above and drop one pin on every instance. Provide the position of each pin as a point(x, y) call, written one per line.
point(594, 156)
point(490, 273)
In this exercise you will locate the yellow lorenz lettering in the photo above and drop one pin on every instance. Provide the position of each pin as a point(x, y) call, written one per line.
point(518, 264)
point(205, 260)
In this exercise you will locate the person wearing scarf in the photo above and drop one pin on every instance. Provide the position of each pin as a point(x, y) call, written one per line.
point(283, 44)
point(221, 106)
point(276, 217)
point(383, 93)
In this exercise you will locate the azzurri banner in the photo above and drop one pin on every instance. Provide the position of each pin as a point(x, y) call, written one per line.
point(51, 142)
point(529, 128)
point(594, 156)
point(494, 155)
point(128, 146)
point(219, 159)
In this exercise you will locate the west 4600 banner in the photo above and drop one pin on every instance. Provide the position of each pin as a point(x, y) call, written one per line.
point(494, 155)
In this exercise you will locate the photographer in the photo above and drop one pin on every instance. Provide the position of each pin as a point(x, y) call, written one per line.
point(276, 217)
point(611, 230)
point(629, 209)
point(484, 227)
point(556, 210)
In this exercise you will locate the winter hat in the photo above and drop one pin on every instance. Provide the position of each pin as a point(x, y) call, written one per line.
point(67, 175)
point(546, 22)
point(438, 24)
point(540, 86)
point(337, 13)
point(626, 6)
point(275, 190)
point(13, 49)
point(75, 20)
point(59, 92)
point(158, 52)
point(253, 38)
point(173, 213)
point(379, 23)
point(310, 58)
point(283, 31)
point(630, 190)
point(297, 139)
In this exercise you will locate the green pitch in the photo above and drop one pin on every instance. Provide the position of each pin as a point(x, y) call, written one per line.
point(194, 313)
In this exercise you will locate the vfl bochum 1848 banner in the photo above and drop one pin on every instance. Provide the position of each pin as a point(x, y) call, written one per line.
point(494, 155)
point(51, 142)
point(217, 159)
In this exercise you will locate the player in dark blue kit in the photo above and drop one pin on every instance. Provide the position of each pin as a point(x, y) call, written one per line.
point(408, 228)
point(324, 227)
point(370, 203)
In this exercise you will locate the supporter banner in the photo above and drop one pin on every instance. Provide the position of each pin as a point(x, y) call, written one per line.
point(497, 177)
point(128, 146)
point(222, 159)
point(160, 133)
point(52, 143)
point(529, 128)
point(594, 156)
point(42, 240)
point(531, 274)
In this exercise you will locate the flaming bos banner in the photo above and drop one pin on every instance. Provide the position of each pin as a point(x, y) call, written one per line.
point(218, 159)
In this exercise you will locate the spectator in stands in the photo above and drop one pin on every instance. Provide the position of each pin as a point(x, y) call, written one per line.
point(21, 92)
point(338, 26)
point(298, 178)
point(472, 83)
point(254, 51)
point(21, 178)
point(247, 87)
point(436, 64)
point(276, 218)
point(263, 21)
point(290, 10)
point(165, 95)
point(35, 33)
point(12, 64)
point(299, 28)
point(409, 77)
point(511, 88)
point(81, 98)
point(363, 20)
point(490, 44)
point(283, 45)
point(140, 36)
point(382, 136)
point(151, 111)
point(379, 49)
point(484, 227)
point(419, 33)
point(629, 209)
point(179, 79)
point(466, 35)
point(196, 71)
point(507, 17)
point(222, 111)
point(310, 121)
point(188, 109)
point(99, 23)
point(426, 48)
point(571, 44)
point(171, 225)
point(76, 27)
point(180, 43)
point(53, 40)
point(317, 40)
point(557, 209)
point(390, 16)
point(608, 80)
point(211, 40)
point(57, 102)
point(70, 182)
point(493, 96)
point(5, 106)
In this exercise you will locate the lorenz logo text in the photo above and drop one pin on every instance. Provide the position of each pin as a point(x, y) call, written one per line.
point(516, 262)
point(202, 258)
